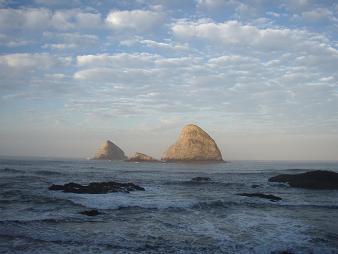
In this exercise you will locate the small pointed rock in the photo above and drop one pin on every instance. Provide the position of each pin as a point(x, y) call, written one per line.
point(109, 151)
point(141, 157)
point(193, 144)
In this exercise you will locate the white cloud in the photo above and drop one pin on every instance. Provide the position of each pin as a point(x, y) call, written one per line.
point(56, 76)
point(12, 41)
point(64, 41)
point(29, 18)
point(298, 5)
point(165, 45)
point(60, 46)
point(33, 61)
point(232, 59)
point(28, 73)
point(243, 35)
point(134, 67)
point(273, 14)
point(42, 18)
point(216, 5)
point(75, 19)
point(223, 9)
point(117, 60)
point(319, 15)
point(137, 20)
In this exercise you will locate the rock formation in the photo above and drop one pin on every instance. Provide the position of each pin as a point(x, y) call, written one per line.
point(193, 144)
point(93, 212)
point(96, 187)
point(109, 151)
point(317, 179)
point(141, 157)
point(201, 179)
point(272, 198)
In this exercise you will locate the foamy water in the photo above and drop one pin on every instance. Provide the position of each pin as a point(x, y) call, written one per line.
point(173, 215)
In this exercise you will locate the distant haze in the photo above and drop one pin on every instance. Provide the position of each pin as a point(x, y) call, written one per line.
point(259, 76)
point(233, 145)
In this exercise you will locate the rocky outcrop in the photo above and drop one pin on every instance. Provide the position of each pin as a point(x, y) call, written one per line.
point(272, 198)
point(97, 187)
point(90, 212)
point(193, 144)
point(201, 179)
point(141, 157)
point(317, 179)
point(109, 151)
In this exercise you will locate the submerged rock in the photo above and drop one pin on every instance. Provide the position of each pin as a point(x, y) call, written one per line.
point(282, 252)
point(97, 187)
point(200, 179)
point(317, 179)
point(261, 195)
point(141, 157)
point(109, 151)
point(193, 144)
point(90, 212)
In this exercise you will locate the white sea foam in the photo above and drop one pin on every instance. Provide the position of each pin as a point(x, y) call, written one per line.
point(202, 218)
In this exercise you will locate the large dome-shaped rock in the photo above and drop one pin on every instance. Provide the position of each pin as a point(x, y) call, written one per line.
point(141, 157)
point(109, 151)
point(193, 144)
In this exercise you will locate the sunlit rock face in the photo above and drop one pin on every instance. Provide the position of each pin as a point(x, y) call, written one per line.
point(141, 157)
point(193, 144)
point(109, 151)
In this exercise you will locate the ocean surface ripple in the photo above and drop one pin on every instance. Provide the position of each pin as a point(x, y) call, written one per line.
point(174, 215)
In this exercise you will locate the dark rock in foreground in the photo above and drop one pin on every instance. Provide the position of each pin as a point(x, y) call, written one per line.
point(200, 179)
point(318, 179)
point(261, 195)
point(97, 187)
point(91, 212)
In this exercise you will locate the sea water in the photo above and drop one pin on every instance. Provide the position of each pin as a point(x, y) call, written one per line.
point(173, 215)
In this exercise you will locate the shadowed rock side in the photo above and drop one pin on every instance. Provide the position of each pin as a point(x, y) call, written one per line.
point(317, 179)
point(96, 187)
point(109, 151)
point(141, 157)
point(90, 212)
point(193, 144)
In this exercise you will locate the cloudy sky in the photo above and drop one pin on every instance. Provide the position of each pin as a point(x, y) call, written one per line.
point(259, 76)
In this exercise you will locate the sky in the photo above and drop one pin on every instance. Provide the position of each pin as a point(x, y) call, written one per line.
point(259, 76)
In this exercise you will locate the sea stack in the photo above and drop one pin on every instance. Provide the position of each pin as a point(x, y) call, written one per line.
point(193, 145)
point(109, 151)
point(141, 157)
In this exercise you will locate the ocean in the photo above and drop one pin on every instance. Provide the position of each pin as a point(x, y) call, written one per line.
point(173, 215)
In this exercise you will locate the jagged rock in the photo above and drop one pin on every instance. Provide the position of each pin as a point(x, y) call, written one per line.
point(109, 151)
point(261, 195)
point(90, 212)
point(200, 179)
point(193, 144)
point(97, 187)
point(140, 157)
point(317, 179)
